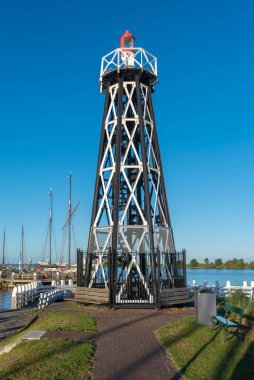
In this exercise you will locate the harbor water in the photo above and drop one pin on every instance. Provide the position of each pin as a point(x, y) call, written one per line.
point(235, 276)
point(5, 299)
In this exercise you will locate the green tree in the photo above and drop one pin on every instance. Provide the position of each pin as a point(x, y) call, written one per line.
point(235, 262)
point(218, 262)
point(194, 263)
point(241, 263)
point(229, 264)
point(206, 260)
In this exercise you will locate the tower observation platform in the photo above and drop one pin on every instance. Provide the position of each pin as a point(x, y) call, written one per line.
point(131, 251)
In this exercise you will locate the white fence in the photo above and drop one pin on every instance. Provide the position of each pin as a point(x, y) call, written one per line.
point(49, 297)
point(248, 290)
point(224, 291)
point(24, 294)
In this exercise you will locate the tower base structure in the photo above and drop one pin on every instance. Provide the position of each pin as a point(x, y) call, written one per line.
point(128, 279)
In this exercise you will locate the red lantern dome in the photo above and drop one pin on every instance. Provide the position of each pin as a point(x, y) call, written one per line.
point(127, 40)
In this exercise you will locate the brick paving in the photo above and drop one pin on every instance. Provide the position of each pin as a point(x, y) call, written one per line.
point(126, 346)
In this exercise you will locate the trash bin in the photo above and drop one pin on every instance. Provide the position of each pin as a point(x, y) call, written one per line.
point(205, 305)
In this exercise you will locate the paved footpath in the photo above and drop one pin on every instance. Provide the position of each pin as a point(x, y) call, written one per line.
point(13, 320)
point(126, 346)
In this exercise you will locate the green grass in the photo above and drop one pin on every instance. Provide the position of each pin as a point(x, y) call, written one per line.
point(57, 321)
point(65, 321)
point(201, 354)
point(47, 360)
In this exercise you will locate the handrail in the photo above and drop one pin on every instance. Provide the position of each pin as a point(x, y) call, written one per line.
point(121, 58)
point(24, 294)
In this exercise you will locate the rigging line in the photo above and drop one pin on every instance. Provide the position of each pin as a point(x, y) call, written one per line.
point(70, 216)
point(45, 245)
point(24, 247)
point(83, 231)
point(63, 245)
point(77, 235)
point(55, 243)
point(18, 250)
point(42, 242)
point(5, 250)
point(74, 237)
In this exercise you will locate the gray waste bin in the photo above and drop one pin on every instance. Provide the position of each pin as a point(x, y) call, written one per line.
point(205, 305)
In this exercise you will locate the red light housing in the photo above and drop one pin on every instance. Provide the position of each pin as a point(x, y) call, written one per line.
point(127, 40)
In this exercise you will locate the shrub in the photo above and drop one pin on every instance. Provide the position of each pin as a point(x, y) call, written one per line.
point(249, 314)
point(239, 299)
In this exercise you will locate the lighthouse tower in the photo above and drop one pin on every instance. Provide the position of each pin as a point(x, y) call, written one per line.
point(131, 249)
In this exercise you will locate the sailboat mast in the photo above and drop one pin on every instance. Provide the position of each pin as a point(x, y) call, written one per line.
point(50, 225)
point(69, 224)
point(3, 258)
point(22, 246)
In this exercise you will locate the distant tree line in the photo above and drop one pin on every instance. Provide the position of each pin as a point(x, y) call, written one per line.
point(218, 263)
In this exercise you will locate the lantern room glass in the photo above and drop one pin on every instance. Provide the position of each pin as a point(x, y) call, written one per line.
point(128, 42)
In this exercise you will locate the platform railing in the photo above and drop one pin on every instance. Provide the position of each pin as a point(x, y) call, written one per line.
point(49, 297)
point(122, 58)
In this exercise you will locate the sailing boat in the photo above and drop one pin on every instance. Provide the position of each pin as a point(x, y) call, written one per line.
point(48, 241)
point(69, 219)
point(48, 262)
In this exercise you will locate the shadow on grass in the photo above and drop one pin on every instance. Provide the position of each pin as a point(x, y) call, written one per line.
point(37, 359)
point(245, 369)
point(194, 357)
point(186, 332)
point(153, 352)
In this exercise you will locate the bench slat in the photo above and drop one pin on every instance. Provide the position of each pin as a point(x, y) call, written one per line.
point(226, 322)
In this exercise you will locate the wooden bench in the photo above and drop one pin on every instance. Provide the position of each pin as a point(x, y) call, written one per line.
point(174, 296)
point(98, 296)
point(228, 324)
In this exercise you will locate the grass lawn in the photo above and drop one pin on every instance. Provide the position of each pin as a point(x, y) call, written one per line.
point(200, 353)
point(65, 321)
point(47, 360)
point(57, 321)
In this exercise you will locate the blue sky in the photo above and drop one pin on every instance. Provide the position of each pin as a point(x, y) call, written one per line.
point(51, 110)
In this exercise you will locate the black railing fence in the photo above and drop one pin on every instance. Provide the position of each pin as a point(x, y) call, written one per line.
point(134, 277)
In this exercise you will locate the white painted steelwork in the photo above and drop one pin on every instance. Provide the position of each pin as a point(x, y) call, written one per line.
point(120, 58)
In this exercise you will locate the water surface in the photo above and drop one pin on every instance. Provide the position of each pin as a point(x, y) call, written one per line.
point(5, 299)
point(235, 276)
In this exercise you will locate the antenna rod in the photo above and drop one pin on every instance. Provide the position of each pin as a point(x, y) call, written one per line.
point(50, 225)
point(69, 224)
point(22, 247)
point(3, 259)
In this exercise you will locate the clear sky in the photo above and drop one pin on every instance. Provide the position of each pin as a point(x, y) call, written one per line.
point(51, 110)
